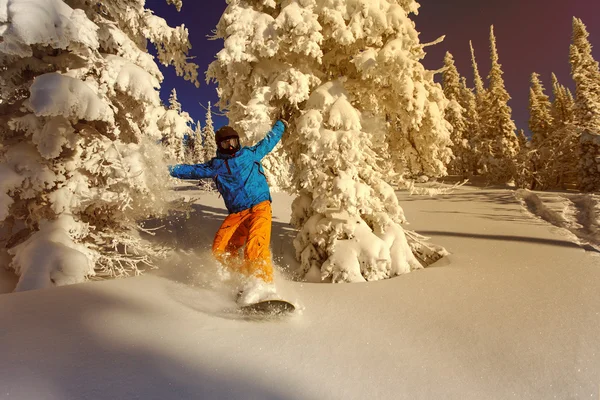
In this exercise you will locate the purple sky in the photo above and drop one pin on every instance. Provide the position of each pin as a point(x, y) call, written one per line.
point(532, 36)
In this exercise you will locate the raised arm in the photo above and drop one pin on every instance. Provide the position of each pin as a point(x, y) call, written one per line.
point(198, 171)
point(265, 146)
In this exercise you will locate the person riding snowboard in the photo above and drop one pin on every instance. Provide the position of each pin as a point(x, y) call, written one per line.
point(240, 179)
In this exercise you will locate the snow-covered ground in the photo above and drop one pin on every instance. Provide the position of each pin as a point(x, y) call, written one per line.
point(577, 214)
point(513, 312)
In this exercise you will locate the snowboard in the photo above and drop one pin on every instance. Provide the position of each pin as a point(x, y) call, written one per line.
point(269, 308)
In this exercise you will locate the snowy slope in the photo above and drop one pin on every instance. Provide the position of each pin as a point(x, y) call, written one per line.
point(512, 313)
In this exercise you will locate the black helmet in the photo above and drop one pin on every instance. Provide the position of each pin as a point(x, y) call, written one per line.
point(228, 140)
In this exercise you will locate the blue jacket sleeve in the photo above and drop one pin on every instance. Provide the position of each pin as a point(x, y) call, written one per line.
point(198, 171)
point(265, 146)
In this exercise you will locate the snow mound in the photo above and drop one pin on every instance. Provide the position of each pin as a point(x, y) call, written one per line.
point(51, 256)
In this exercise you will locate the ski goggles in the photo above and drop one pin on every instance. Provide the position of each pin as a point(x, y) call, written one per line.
point(229, 142)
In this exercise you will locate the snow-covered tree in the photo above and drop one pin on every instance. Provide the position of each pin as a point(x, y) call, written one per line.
point(455, 115)
point(563, 104)
point(561, 145)
point(540, 124)
point(501, 145)
point(79, 163)
point(589, 161)
point(210, 146)
point(480, 92)
point(352, 71)
point(540, 109)
point(553, 154)
point(419, 137)
point(564, 157)
point(483, 147)
point(175, 125)
point(195, 147)
point(586, 74)
point(174, 103)
point(524, 175)
point(206, 148)
point(522, 138)
point(472, 132)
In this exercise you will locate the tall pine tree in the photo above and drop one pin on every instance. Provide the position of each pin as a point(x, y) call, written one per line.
point(471, 134)
point(195, 149)
point(553, 154)
point(175, 125)
point(563, 104)
point(210, 147)
point(501, 145)
point(455, 116)
point(535, 165)
point(540, 111)
point(174, 103)
point(482, 149)
point(480, 91)
point(525, 162)
point(586, 75)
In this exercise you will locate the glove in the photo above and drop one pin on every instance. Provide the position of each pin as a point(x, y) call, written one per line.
point(286, 113)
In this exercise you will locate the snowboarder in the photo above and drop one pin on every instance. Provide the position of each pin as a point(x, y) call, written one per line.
point(240, 179)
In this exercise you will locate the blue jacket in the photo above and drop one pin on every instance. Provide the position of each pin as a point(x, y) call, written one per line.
point(240, 178)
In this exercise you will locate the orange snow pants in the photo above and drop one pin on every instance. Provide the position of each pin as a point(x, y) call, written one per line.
point(251, 227)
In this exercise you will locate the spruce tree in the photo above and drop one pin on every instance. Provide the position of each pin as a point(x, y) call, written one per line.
point(451, 78)
point(174, 103)
point(472, 130)
point(353, 78)
point(501, 143)
point(210, 147)
point(522, 138)
point(175, 125)
point(525, 163)
point(79, 160)
point(482, 150)
point(455, 116)
point(586, 74)
point(540, 125)
point(540, 111)
point(195, 147)
point(480, 91)
point(562, 111)
point(554, 151)
point(564, 137)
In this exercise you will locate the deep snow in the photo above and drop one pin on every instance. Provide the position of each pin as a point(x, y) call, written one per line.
point(513, 312)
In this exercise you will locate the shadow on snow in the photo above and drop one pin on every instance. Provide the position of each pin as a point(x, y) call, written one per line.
point(81, 354)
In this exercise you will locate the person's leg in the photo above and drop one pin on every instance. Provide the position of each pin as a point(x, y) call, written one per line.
point(227, 239)
point(257, 255)
point(237, 241)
